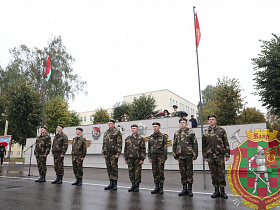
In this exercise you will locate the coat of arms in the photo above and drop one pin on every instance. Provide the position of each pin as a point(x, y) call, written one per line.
point(96, 133)
point(254, 174)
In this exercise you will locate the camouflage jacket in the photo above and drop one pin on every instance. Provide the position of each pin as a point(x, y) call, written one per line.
point(135, 147)
point(157, 145)
point(60, 143)
point(112, 142)
point(43, 145)
point(215, 143)
point(176, 114)
point(79, 146)
point(185, 144)
point(2, 150)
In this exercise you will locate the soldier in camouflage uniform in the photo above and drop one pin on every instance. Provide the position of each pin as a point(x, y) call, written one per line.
point(42, 149)
point(185, 150)
point(111, 150)
point(157, 153)
point(175, 113)
point(59, 148)
point(79, 151)
point(134, 155)
point(215, 148)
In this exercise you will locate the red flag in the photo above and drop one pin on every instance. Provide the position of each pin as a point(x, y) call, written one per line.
point(197, 30)
point(48, 69)
point(271, 157)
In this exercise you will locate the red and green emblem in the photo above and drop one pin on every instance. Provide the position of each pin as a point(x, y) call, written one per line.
point(266, 193)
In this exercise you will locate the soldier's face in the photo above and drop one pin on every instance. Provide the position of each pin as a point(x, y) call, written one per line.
point(78, 132)
point(111, 124)
point(43, 130)
point(183, 124)
point(212, 121)
point(59, 129)
point(156, 128)
point(134, 130)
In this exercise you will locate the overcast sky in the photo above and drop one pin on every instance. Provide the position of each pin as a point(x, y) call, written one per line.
point(124, 47)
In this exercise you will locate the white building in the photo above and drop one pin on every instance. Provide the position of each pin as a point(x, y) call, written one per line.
point(165, 99)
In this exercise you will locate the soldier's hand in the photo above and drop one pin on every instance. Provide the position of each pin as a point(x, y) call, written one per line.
point(61, 155)
point(116, 156)
point(206, 160)
point(82, 158)
point(150, 160)
point(227, 158)
point(44, 155)
point(52, 154)
point(141, 162)
point(103, 156)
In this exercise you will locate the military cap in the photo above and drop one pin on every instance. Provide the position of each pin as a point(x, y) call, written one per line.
point(80, 129)
point(113, 121)
point(156, 123)
point(134, 125)
point(166, 111)
point(175, 106)
point(212, 115)
point(60, 125)
point(44, 127)
point(183, 120)
point(192, 115)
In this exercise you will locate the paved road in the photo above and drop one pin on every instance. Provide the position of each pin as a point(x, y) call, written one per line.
point(19, 191)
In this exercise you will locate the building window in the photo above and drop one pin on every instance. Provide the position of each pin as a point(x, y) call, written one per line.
point(90, 118)
point(85, 118)
point(18, 153)
point(183, 107)
point(171, 102)
point(188, 109)
point(12, 145)
point(18, 146)
point(12, 153)
point(81, 118)
point(180, 106)
point(176, 103)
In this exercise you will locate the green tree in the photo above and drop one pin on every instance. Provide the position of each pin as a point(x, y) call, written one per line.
point(267, 67)
point(142, 107)
point(228, 100)
point(250, 115)
point(57, 113)
point(22, 110)
point(273, 123)
point(101, 115)
point(120, 108)
point(74, 119)
point(31, 64)
point(208, 94)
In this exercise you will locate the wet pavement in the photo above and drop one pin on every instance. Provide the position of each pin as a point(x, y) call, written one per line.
point(19, 191)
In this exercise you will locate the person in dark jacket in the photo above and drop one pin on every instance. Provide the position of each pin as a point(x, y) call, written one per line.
point(2, 152)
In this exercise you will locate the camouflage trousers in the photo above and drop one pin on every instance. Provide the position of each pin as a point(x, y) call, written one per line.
point(58, 164)
point(158, 167)
point(112, 167)
point(77, 163)
point(186, 170)
point(134, 170)
point(217, 169)
point(41, 163)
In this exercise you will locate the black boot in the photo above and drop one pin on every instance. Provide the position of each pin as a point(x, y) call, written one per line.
point(136, 189)
point(156, 190)
point(56, 180)
point(223, 194)
point(184, 191)
point(59, 179)
point(37, 180)
point(216, 194)
point(80, 182)
point(76, 182)
point(109, 186)
point(132, 187)
point(115, 185)
point(190, 193)
point(42, 178)
point(160, 188)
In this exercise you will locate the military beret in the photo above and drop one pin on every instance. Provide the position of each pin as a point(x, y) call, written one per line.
point(175, 106)
point(80, 129)
point(212, 115)
point(113, 121)
point(156, 123)
point(134, 125)
point(44, 127)
point(60, 125)
point(183, 120)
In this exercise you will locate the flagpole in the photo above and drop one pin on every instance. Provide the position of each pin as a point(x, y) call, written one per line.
point(44, 100)
point(201, 118)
